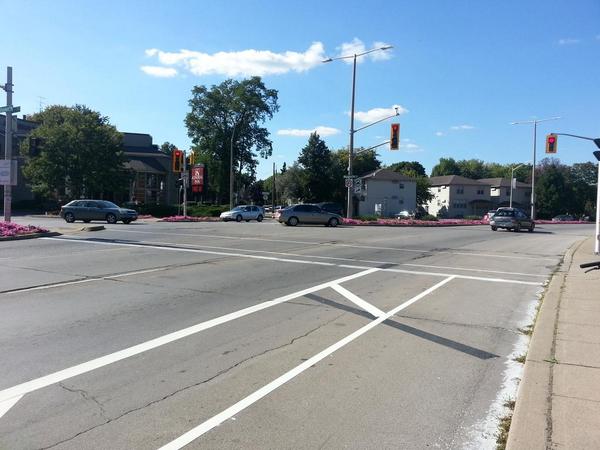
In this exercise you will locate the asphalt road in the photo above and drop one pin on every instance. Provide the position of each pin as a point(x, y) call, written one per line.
point(246, 335)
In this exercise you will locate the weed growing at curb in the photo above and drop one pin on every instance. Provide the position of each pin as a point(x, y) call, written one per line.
point(504, 427)
point(521, 358)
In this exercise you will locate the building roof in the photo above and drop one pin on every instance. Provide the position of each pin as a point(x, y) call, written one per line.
point(502, 182)
point(387, 175)
point(447, 180)
point(146, 164)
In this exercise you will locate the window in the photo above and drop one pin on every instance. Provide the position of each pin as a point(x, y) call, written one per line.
point(401, 186)
point(479, 191)
point(460, 190)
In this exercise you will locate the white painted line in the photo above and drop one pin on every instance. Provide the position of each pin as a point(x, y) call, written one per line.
point(85, 280)
point(228, 413)
point(61, 375)
point(297, 261)
point(334, 258)
point(7, 404)
point(286, 241)
point(371, 309)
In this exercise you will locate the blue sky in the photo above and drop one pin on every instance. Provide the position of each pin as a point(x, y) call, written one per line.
point(462, 70)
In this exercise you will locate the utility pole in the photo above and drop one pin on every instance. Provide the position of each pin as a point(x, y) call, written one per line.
point(273, 194)
point(184, 176)
point(8, 87)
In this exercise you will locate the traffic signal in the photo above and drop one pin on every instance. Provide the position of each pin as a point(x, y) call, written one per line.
point(395, 136)
point(34, 146)
point(192, 158)
point(551, 143)
point(177, 160)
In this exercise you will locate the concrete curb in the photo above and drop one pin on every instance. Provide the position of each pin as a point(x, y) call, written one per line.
point(531, 424)
point(92, 228)
point(22, 237)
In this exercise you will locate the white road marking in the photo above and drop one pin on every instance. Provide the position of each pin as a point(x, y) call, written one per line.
point(371, 309)
point(228, 413)
point(334, 258)
point(56, 377)
point(85, 280)
point(7, 404)
point(297, 261)
point(373, 247)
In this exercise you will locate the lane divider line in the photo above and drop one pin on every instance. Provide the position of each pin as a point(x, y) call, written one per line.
point(228, 413)
point(371, 309)
point(7, 404)
point(297, 261)
point(19, 390)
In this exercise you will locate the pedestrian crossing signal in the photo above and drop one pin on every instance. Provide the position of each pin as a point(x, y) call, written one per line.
point(395, 136)
point(551, 143)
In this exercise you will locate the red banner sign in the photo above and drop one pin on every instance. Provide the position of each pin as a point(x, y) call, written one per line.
point(198, 178)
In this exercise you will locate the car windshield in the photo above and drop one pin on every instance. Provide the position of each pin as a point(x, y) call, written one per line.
point(505, 213)
point(238, 208)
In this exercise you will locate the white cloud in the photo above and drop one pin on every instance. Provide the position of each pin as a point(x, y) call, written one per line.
point(375, 114)
point(440, 133)
point(462, 127)
point(411, 148)
point(357, 46)
point(158, 71)
point(320, 130)
point(241, 63)
point(568, 41)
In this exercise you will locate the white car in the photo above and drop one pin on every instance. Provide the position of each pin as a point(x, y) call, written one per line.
point(244, 212)
point(405, 215)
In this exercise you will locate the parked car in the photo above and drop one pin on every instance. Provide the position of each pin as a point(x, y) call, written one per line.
point(244, 212)
point(563, 218)
point(88, 210)
point(308, 214)
point(405, 214)
point(335, 208)
point(512, 219)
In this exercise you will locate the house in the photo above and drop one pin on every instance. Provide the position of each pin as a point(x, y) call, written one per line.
point(500, 192)
point(385, 192)
point(456, 196)
point(153, 180)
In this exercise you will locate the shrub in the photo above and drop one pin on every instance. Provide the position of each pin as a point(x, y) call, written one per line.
point(429, 217)
point(156, 210)
point(206, 210)
point(368, 218)
point(473, 217)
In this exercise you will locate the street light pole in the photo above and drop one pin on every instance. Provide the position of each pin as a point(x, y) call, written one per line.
point(231, 169)
point(512, 177)
point(534, 122)
point(351, 147)
point(8, 143)
point(352, 130)
point(597, 240)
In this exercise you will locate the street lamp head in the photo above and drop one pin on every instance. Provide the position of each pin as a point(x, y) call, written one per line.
point(386, 47)
point(597, 154)
point(396, 108)
point(327, 60)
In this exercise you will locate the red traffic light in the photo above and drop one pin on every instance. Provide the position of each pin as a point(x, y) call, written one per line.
point(395, 136)
point(551, 143)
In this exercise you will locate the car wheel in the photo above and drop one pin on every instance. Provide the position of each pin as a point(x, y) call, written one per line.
point(111, 218)
point(238, 218)
point(86, 220)
point(531, 228)
point(69, 217)
point(292, 221)
point(333, 222)
point(494, 228)
point(126, 221)
point(259, 218)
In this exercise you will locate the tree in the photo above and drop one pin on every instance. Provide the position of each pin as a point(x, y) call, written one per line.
point(284, 167)
point(553, 193)
point(232, 111)
point(81, 154)
point(446, 166)
point(315, 159)
point(415, 170)
point(472, 168)
point(290, 185)
point(167, 148)
point(405, 166)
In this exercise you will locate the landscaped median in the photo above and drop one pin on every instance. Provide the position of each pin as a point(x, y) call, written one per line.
point(12, 231)
point(189, 219)
point(414, 222)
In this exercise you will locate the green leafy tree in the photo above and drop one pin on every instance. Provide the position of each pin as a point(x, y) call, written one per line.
point(473, 168)
point(290, 185)
point(364, 161)
point(232, 111)
point(315, 159)
point(446, 166)
point(81, 154)
point(284, 167)
point(167, 148)
point(553, 193)
point(409, 166)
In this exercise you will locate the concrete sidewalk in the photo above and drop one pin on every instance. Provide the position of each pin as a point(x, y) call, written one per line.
point(558, 403)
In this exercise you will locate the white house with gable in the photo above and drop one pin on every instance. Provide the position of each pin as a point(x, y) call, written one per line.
point(386, 193)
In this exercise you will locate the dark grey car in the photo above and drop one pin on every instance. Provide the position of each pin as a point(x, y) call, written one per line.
point(512, 219)
point(308, 214)
point(88, 210)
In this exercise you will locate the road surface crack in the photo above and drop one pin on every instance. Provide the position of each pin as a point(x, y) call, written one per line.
point(86, 396)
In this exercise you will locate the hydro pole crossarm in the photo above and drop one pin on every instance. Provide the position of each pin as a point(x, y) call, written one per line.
point(380, 120)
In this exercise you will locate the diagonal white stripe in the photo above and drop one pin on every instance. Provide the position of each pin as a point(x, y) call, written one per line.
point(198, 431)
point(371, 309)
point(7, 404)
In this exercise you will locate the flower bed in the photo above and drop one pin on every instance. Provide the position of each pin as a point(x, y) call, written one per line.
point(562, 222)
point(11, 229)
point(415, 222)
point(189, 219)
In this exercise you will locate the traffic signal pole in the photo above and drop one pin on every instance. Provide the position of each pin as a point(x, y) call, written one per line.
point(184, 176)
point(8, 143)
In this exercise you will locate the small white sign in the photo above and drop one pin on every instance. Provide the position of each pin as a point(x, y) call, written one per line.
point(8, 172)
